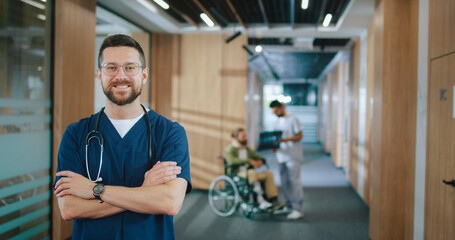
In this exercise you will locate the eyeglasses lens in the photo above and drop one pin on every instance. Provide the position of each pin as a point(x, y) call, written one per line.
point(129, 69)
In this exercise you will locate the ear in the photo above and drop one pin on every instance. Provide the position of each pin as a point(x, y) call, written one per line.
point(145, 74)
point(98, 73)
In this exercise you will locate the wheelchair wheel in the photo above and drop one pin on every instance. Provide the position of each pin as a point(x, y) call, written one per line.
point(223, 196)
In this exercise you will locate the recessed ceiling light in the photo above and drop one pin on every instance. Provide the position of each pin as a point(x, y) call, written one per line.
point(258, 48)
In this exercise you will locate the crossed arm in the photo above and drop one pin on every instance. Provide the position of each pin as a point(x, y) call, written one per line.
point(161, 193)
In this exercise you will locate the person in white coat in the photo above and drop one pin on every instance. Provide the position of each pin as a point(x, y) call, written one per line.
point(290, 158)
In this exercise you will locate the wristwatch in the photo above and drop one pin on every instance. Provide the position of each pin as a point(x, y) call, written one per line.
point(97, 190)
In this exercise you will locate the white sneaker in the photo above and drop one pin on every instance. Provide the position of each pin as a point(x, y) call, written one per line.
point(264, 205)
point(295, 215)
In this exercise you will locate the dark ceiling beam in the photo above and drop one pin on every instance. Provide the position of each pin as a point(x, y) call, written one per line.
point(322, 12)
point(206, 12)
point(292, 13)
point(184, 16)
point(237, 16)
point(264, 15)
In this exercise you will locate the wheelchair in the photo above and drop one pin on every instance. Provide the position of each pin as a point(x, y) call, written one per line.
point(229, 192)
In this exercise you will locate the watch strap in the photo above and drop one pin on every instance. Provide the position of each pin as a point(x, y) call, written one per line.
point(97, 193)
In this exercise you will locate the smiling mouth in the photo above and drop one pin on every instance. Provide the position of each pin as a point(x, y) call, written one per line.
point(121, 86)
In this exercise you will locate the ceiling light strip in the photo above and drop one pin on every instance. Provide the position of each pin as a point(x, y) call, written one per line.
point(305, 4)
point(162, 4)
point(327, 20)
point(35, 4)
point(207, 20)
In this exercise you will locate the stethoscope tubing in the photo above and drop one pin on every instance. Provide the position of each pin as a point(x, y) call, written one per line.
point(93, 135)
point(98, 178)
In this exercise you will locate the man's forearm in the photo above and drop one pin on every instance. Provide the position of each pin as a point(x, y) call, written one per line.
point(295, 138)
point(160, 199)
point(72, 207)
point(158, 195)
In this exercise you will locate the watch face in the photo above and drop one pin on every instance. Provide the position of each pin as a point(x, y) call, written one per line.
point(99, 188)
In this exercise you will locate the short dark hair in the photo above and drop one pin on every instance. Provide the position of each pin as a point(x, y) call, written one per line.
point(236, 132)
point(120, 40)
point(275, 103)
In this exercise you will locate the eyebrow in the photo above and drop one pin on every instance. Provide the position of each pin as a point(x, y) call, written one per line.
point(119, 64)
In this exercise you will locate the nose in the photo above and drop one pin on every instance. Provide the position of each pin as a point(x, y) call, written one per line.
point(120, 73)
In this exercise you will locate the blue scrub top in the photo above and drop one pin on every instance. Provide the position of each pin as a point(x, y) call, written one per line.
point(124, 164)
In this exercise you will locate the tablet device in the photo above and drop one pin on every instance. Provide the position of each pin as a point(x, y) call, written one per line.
point(269, 140)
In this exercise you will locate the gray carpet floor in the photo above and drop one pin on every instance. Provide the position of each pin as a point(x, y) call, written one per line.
point(333, 210)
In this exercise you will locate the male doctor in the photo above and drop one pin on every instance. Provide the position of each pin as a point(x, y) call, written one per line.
point(113, 192)
point(290, 158)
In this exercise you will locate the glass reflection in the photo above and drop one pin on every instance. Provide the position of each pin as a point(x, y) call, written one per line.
point(25, 119)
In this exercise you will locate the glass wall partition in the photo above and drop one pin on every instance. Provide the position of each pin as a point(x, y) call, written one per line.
point(25, 119)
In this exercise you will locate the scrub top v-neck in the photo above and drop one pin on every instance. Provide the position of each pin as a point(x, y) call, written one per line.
point(125, 162)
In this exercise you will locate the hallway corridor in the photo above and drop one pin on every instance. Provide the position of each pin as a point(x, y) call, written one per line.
point(333, 210)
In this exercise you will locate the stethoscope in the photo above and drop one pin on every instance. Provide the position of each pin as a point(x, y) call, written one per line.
point(95, 134)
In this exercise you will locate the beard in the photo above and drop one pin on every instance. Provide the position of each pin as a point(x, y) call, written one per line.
point(125, 98)
point(243, 143)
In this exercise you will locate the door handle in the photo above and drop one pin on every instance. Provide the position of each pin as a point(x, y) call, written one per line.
point(449, 183)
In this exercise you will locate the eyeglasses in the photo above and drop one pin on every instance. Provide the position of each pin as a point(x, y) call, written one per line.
point(130, 69)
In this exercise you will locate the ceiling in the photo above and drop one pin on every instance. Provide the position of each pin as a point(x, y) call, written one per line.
point(295, 44)
point(250, 12)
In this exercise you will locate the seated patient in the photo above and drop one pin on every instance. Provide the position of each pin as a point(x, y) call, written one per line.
point(239, 153)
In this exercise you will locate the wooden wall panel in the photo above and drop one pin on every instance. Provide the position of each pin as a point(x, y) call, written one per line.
point(328, 119)
point(201, 82)
point(440, 164)
point(353, 162)
point(75, 22)
point(336, 104)
point(163, 72)
point(200, 103)
point(376, 137)
point(347, 118)
point(337, 113)
point(234, 77)
point(321, 106)
point(440, 198)
point(345, 111)
point(441, 29)
point(396, 98)
point(143, 38)
point(369, 114)
point(341, 75)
